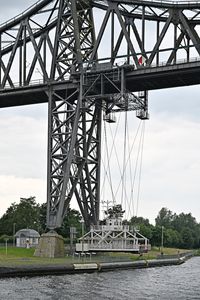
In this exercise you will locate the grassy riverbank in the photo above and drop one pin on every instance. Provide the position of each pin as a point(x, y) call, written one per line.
point(20, 256)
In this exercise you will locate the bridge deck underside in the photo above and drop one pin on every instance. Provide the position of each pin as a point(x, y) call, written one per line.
point(165, 77)
point(137, 80)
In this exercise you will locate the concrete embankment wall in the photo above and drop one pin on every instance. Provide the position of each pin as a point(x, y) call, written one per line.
point(86, 267)
point(140, 264)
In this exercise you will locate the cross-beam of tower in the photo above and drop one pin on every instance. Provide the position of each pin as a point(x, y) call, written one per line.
point(88, 58)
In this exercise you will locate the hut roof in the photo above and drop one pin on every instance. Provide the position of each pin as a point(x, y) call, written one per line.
point(27, 233)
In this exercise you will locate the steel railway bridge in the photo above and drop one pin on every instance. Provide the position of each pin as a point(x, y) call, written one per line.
point(88, 58)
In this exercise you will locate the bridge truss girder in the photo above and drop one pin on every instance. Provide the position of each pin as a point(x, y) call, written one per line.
point(46, 41)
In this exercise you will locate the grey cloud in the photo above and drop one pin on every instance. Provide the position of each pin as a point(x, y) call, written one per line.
point(176, 101)
point(10, 9)
point(37, 111)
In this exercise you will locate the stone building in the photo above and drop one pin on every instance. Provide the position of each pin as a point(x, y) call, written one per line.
point(27, 238)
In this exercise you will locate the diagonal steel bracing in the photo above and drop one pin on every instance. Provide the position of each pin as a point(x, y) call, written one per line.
point(78, 166)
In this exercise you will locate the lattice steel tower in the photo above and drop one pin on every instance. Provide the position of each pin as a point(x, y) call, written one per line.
point(76, 115)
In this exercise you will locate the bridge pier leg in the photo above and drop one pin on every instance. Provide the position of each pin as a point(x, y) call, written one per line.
point(51, 245)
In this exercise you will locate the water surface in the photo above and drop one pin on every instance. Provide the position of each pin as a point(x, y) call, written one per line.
point(171, 283)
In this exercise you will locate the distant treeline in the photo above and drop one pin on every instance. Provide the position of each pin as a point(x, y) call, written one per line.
point(181, 231)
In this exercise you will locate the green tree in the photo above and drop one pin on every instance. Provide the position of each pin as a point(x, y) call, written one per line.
point(43, 218)
point(23, 215)
point(72, 219)
point(139, 221)
point(145, 228)
point(172, 238)
point(156, 236)
point(187, 239)
point(165, 218)
point(184, 221)
point(115, 212)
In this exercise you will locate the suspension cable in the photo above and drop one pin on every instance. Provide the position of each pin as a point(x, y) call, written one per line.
point(108, 163)
point(108, 173)
point(124, 162)
point(133, 144)
point(140, 170)
point(125, 200)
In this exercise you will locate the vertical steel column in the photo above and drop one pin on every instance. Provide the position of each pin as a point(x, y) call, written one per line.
point(157, 37)
point(0, 60)
point(98, 152)
point(24, 54)
point(128, 49)
point(44, 54)
point(20, 65)
point(143, 30)
point(49, 158)
point(175, 42)
point(112, 35)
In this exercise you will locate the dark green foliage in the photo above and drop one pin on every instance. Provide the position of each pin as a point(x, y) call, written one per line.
point(72, 219)
point(5, 238)
point(139, 221)
point(180, 231)
point(172, 238)
point(143, 225)
point(156, 236)
point(19, 216)
point(115, 212)
point(29, 214)
point(164, 218)
point(187, 239)
point(43, 217)
point(183, 221)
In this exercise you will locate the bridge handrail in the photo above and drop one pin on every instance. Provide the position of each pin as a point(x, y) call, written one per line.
point(67, 77)
point(168, 2)
point(175, 1)
point(17, 85)
point(178, 62)
point(32, 82)
point(21, 14)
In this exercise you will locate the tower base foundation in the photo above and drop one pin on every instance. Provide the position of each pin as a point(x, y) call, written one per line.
point(50, 245)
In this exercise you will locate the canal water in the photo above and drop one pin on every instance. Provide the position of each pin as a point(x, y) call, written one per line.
point(171, 283)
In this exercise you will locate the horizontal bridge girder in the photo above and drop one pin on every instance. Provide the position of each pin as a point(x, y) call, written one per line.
point(164, 77)
point(138, 80)
point(162, 4)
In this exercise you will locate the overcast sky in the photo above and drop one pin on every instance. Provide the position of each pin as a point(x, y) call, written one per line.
point(171, 163)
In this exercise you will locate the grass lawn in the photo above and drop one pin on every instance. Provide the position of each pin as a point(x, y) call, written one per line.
point(21, 256)
point(13, 252)
point(155, 251)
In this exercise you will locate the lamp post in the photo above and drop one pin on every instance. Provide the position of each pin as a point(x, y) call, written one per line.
point(72, 236)
point(6, 240)
point(162, 227)
point(82, 229)
point(14, 224)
